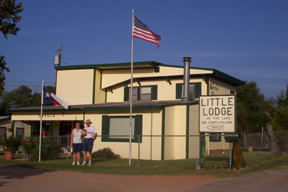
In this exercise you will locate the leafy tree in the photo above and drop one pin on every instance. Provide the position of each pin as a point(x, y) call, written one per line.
point(51, 88)
point(9, 18)
point(3, 69)
point(282, 99)
point(36, 97)
point(280, 116)
point(21, 97)
point(280, 119)
point(253, 111)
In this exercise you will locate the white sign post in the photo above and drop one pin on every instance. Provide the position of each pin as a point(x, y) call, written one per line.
point(217, 114)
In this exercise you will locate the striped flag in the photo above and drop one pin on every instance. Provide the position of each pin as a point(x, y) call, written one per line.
point(142, 31)
point(51, 99)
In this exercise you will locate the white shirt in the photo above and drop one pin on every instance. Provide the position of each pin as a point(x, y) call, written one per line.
point(77, 136)
point(91, 132)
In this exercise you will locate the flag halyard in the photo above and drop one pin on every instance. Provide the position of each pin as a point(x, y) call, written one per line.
point(142, 31)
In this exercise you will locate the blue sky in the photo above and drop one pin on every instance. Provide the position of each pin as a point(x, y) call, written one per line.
point(246, 38)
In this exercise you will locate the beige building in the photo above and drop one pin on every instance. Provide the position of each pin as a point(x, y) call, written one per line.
point(164, 126)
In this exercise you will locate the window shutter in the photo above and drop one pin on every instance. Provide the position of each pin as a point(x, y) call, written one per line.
point(198, 90)
point(105, 127)
point(126, 93)
point(154, 92)
point(179, 90)
point(138, 128)
point(138, 93)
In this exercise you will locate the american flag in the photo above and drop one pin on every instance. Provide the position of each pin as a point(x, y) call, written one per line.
point(142, 31)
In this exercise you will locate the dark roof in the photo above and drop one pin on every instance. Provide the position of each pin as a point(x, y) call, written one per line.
point(126, 65)
point(139, 106)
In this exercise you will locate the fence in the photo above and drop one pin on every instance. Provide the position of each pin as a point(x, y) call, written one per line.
point(262, 141)
point(62, 141)
point(258, 141)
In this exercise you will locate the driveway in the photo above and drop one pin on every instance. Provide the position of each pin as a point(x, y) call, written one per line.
point(14, 179)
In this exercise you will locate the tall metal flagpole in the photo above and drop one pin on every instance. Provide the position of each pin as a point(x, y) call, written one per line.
point(41, 116)
point(131, 90)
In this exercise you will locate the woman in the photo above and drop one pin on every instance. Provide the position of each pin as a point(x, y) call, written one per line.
point(76, 143)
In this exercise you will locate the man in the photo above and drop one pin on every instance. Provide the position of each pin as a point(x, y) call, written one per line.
point(90, 135)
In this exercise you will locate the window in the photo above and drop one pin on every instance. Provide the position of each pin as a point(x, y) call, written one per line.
point(20, 133)
point(194, 90)
point(143, 93)
point(117, 128)
point(2, 134)
point(215, 137)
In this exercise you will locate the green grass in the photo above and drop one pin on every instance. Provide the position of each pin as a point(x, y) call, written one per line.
point(256, 161)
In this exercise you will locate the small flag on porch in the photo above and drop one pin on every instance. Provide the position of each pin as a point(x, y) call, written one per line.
point(51, 99)
point(142, 31)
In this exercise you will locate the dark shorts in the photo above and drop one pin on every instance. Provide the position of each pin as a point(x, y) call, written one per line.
point(76, 147)
point(87, 145)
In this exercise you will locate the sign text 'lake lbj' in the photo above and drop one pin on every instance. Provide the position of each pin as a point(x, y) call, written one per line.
point(217, 114)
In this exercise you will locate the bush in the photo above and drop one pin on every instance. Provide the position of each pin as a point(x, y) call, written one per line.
point(12, 144)
point(104, 154)
point(50, 149)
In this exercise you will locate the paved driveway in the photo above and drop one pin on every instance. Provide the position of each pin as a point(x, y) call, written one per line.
point(14, 179)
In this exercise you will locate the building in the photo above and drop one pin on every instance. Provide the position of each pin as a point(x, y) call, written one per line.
point(165, 126)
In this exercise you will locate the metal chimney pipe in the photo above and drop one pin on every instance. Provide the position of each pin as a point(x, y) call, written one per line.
point(187, 61)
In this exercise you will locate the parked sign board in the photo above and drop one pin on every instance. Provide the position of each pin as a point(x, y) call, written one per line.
point(217, 114)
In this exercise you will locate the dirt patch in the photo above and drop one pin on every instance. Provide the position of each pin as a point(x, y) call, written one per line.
point(80, 182)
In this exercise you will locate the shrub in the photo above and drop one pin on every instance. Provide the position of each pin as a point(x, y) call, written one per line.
point(104, 154)
point(12, 144)
point(50, 149)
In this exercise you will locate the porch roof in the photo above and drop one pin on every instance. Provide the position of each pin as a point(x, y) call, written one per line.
point(153, 105)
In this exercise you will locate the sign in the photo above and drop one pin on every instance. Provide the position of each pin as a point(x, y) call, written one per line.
point(217, 114)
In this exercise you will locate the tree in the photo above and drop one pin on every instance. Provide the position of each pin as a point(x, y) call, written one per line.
point(3, 69)
point(280, 116)
point(9, 18)
point(22, 96)
point(282, 99)
point(253, 110)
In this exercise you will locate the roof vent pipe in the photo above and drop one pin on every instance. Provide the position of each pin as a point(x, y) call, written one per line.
point(187, 61)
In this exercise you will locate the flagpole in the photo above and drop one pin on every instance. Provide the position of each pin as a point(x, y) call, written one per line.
point(41, 116)
point(131, 90)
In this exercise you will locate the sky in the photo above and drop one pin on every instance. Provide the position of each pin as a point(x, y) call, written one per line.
point(247, 39)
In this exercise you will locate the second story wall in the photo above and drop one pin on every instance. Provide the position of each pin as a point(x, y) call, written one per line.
point(110, 77)
point(75, 86)
point(166, 91)
point(99, 84)
point(99, 94)
point(220, 88)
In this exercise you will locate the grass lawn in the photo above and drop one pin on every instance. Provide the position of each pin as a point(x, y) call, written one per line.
point(256, 161)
